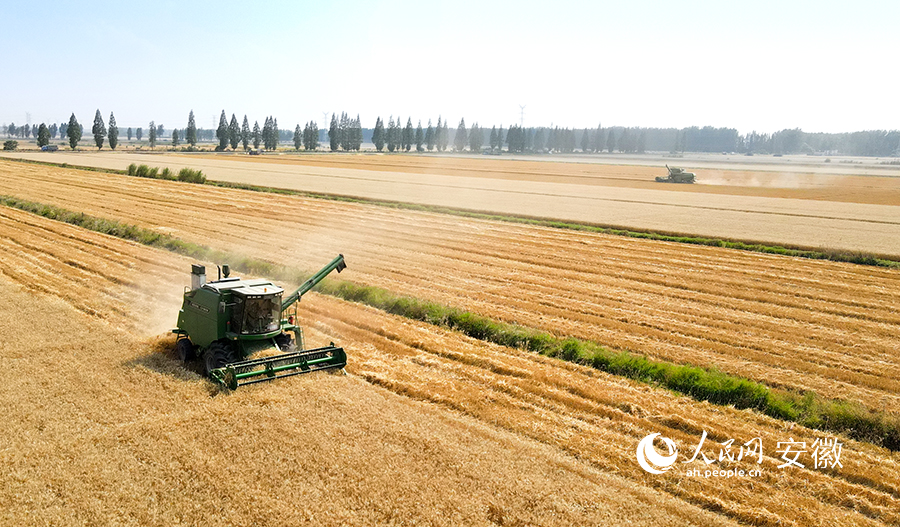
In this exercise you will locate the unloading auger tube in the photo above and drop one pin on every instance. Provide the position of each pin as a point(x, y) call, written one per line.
point(230, 319)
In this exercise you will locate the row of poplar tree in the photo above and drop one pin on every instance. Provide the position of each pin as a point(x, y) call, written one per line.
point(346, 134)
point(73, 130)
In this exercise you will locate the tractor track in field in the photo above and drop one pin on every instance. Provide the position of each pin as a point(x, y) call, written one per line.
point(811, 325)
point(594, 417)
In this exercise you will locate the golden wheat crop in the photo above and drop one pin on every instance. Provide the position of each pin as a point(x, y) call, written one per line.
point(105, 426)
point(811, 325)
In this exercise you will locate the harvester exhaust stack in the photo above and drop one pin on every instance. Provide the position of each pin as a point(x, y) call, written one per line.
point(198, 276)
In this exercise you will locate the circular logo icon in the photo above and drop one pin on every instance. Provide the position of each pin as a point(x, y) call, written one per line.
point(648, 458)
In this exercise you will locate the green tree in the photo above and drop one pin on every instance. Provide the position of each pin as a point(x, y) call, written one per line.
point(408, 135)
point(113, 132)
point(256, 135)
point(222, 132)
point(234, 132)
point(53, 130)
point(334, 139)
point(429, 137)
point(174, 138)
point(190, 133)
point(74, 131)
point(476, 138)
point(461, 137)
point(152, 134)
point(610, 141)
point(445, 136)
point(43, 135)
point(311, 136)
point(139, 133)
point(420, 138)
point(270, 133)
point(493, 138)
point(344, 132)
point(275, 133)
point(245, 133)
point(585, 140)
point(298, 137)
point(378, 134)
point(439, 135)
point(11, 130)
point(357, 134)
point(391, 135)
point(598, 141)
point(129, 133)
point(99, 130)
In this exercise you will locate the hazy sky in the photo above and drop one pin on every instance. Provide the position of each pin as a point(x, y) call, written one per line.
point(766, 65)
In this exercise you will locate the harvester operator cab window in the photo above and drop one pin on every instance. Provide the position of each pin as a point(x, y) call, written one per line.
point(261, 314)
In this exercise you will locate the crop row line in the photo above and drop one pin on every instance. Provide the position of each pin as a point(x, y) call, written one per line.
point(835, 255)
point(705, 384)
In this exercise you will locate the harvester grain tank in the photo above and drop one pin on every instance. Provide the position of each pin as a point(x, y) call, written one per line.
point(225, 321)
point(677, 175)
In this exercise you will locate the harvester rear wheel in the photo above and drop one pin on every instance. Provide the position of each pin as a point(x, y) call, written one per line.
point(218, 355)
point(185, 350)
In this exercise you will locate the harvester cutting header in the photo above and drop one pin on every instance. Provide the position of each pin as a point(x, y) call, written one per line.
point(225, 321)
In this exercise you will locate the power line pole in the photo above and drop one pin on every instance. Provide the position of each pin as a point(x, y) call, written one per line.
point(522, 116)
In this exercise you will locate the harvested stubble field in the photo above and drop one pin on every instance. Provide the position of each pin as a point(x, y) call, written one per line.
point(846, 213)
point(777, 182)
point(812, 325)
point(103, 426)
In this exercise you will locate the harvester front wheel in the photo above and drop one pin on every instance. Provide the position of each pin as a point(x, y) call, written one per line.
point(285, 343)
point(218, 355)
point(185, 350)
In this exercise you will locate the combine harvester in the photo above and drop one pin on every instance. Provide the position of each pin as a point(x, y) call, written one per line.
point(227, 320)
point(677, 175)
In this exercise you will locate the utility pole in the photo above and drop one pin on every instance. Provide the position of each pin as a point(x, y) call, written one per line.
point(522, 116)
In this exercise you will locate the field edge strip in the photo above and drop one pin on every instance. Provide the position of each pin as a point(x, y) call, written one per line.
point(704, 384)
point(798, 251)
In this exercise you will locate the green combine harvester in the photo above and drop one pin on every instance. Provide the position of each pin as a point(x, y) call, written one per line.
point(677, 175)
point(225, 321)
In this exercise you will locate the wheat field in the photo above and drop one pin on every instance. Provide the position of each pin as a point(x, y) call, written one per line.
point(104, 425)
point(809, 325)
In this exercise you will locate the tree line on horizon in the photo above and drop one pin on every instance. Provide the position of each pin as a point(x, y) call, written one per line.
point(347, 134)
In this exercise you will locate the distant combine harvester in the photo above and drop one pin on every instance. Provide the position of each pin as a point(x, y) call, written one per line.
point(677, 175)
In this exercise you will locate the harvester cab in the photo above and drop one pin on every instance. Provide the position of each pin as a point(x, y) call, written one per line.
point(225, 321)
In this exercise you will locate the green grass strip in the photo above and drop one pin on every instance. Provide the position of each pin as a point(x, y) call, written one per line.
point(703, 384)
point(834, 255)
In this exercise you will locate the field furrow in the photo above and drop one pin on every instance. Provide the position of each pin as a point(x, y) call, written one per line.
point(548, 411)
point(811, 325)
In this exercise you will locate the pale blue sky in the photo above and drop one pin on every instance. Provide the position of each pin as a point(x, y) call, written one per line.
point(764, 65)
